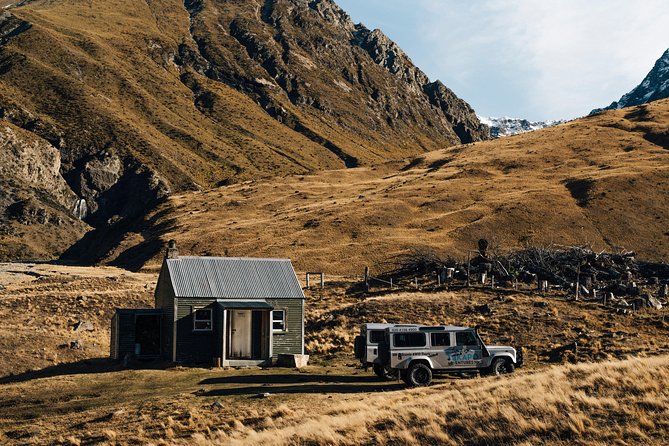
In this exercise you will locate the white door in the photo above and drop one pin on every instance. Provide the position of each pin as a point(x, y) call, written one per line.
point(240, 334)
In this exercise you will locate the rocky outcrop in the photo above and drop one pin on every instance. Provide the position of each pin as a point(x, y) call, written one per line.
point(309, 54)
point(654, 86)
point(37, 218)
point(32, 162)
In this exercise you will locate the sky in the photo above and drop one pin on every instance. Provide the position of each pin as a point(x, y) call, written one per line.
point(529, 59)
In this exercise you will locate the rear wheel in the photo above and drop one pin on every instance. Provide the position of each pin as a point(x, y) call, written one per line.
point(501, 366)
point(382, 372)
point(419, 375)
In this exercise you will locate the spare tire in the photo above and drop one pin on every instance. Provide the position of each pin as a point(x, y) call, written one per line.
point(359, 347)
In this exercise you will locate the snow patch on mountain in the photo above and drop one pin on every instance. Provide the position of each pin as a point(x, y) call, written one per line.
point(506, 126)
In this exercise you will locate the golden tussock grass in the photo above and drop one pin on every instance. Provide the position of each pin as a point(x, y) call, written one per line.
point(625, 401)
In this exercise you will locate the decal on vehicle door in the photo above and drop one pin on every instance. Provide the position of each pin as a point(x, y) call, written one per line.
point(464, 357)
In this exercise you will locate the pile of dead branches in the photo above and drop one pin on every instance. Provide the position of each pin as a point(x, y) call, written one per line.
point(567, 265)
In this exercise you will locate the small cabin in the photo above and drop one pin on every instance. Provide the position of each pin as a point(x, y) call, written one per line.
point(232, 311)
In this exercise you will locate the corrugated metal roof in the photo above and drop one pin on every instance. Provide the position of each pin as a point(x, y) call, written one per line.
point(233, 278)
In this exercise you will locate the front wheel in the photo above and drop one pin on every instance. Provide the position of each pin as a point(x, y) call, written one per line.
point(382, 372)
point(419, 375)
point(501, 366)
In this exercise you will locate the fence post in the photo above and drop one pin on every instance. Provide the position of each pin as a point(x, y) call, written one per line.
point(322, 280)
point(366, 278)
point(578, 280)
point(307, 280)
point(391, 283)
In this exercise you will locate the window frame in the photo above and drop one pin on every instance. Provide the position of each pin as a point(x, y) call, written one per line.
point(284, 321)
point(423, 345)
point(447, 334)
point(469, 333)
point(194, 312)
point(373, 333)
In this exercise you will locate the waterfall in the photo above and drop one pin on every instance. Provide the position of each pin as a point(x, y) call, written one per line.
point(81, 209)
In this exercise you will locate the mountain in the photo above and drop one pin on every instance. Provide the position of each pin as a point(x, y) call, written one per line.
point(654, 86)
point(133, 101)
point(505, 126)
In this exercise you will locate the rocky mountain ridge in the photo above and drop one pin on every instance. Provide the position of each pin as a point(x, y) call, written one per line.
point(653, 87)
point(144, 99)
point(505, 126)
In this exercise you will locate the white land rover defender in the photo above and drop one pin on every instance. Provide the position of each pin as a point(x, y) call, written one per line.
point(417, 352)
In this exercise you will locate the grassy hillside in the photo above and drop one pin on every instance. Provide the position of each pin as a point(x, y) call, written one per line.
point(601, 180)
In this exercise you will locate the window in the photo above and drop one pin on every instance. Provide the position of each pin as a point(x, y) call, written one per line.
point(202, 319)
point(466, 338)
point(376, 336)
point(409, 340)
point(441, 339)
point(278, 320)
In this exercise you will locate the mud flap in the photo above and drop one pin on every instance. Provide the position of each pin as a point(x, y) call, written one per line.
point(520, 358)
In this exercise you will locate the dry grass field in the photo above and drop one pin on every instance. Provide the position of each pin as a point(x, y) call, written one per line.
point(600, 180)
point(41, 304)
point(52, 394)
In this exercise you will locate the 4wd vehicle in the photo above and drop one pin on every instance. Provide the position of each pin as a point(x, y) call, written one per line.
point(416, 352)
point(367, 347)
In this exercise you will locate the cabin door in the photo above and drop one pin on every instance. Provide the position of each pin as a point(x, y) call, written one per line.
point(147, 334)
point(240, 334)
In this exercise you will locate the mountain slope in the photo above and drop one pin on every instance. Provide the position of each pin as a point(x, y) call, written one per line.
point(600, 180)
point(143, 99)
point(655, 86)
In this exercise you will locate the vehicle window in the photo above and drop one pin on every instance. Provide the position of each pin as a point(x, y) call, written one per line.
point(441, 339)
point(376, 336)
point(409, 340)
point(466, 338)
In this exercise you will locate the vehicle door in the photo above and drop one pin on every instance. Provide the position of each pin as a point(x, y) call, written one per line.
point(467, 353)
point(374, 337)
point(443, 345)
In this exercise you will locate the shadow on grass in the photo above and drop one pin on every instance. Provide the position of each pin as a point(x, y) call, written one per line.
point(298, 383)
point(84, 367)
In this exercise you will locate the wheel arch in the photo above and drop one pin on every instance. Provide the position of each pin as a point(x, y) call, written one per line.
point(507, 358)
point(420, 360)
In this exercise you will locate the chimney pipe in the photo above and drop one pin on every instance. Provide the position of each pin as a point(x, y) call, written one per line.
point(172, 251)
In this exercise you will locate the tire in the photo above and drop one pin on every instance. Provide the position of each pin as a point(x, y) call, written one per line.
point(382, 372)
point(419, 375)
point(501, 366)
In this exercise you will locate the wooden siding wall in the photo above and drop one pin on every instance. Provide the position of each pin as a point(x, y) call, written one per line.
point(113, 354)
point(289, 342)
point(197, 347)
point(202, 347)
point(125, 334)
point(164, 299)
